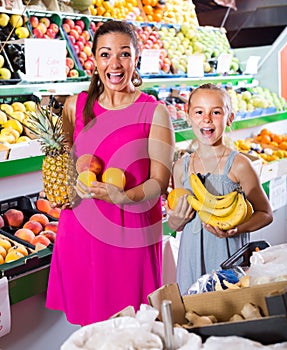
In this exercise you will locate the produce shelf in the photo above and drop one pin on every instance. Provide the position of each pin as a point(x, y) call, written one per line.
point(20, 166)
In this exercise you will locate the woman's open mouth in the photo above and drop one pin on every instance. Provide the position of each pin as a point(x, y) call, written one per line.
point(115, 78)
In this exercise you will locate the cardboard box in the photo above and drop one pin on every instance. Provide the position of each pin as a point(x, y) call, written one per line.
point(257, 163)
point(224, 304)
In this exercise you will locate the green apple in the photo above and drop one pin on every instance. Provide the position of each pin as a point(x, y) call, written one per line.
point(4, 19)
point(5, 74)
point(2, 61)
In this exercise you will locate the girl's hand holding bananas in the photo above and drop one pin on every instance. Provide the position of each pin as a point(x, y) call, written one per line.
point(182, 214)
point(219, 233)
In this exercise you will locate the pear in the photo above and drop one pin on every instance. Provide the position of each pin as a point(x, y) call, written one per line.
point(4, 19)
point(2, 61)
point(5, 74)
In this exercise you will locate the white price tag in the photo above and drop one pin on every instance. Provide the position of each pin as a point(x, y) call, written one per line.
point(277, 192)
point(150, 61)
point(252, 65)
point(45, 59)
point(195, 67)
point(223, 63)
point(5, 311)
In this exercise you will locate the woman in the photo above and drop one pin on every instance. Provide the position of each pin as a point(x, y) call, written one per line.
point(204, 247)
point(108, 252)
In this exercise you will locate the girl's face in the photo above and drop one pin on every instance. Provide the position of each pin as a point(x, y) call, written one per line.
point(115, 60)
point(209, 115)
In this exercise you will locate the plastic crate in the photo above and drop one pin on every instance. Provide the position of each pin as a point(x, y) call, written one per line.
point(15, 77)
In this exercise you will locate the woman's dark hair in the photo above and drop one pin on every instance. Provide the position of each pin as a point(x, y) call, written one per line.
point(96, 86)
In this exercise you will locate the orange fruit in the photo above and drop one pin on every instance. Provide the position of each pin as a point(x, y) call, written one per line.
point(174, 195)
point(264, 132)
point(148, 9)
point(114, 176)
point(283, 145)
point(265, 138)
point(277, 138)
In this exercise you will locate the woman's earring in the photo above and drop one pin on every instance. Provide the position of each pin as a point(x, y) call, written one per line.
point(136, 79)
point(96, 70)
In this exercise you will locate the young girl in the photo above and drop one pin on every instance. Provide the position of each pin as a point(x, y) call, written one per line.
point(203, 247)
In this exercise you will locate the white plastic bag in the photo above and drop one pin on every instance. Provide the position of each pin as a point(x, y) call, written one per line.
point(268, 265)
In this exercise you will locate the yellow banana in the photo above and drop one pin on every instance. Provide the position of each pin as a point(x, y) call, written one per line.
point(227, 222)
point(249, 210)
point(207, 198)
point(197, 205)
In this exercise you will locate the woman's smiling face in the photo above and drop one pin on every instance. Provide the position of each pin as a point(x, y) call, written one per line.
point(115, 60)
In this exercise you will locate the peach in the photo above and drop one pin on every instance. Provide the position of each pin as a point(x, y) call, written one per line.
point(2, 223)
point(43, 205)
point(41, 218)
point(19, 248)
point(25, 234)
point(14, 217)
point(42, 240)
point(88, 162)
point(51, 226)
point(54, 212)
point(34, 226)
point(49, 234)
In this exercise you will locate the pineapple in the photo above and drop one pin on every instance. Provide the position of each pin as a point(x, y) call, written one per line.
point(58, 167)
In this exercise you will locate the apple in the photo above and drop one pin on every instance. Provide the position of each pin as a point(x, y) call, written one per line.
point(73, 73)
point(70, 22)
point(42, 27)
point(66, 27)
point(76, 48)
point(89, 72)
point(87, 49)
point(89, 65)
point(72, 39)
point(54, 27)
point(67, 70)
point(86, 34)
point(37, 33)
point(78, 29)
point(93, 27)
point(82, 39)
point(50, 33)
point(89, 43)
point(45, 21)
point(80, 45)
point(80, 23)
point(70, 63)
point(82, 61)
point(74, 33)
point(34, 21)
point(83, 55)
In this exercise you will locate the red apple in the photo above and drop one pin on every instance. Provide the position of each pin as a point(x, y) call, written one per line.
point(76, 48)
point(89, 65)
point(72, 39)
point(78, 29)
point(88, 72)
point(89, 43)
point(67, 70)
point(34, 21)
point(70, 63)
point(73, 73)
point(50, 33)
point(82, 61)
point(80, 23)
point(42, 27)
point(66, 27)
point(37, 33)
point(80, 45)
point(82, 39)
point(93, 27)
point(54, 27)
point(70, 22)
point(45, 21)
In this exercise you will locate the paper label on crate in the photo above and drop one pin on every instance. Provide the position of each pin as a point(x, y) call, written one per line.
point(278, 192)
point(45, 60)
point(223, 63)
point(195, 67)
point(252, 65)
point(5, 311)
point(150, 61)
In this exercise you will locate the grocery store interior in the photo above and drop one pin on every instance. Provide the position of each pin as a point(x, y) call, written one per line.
point(239, 45)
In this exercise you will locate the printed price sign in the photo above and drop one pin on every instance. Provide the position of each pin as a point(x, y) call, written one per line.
point(45, 59)
point(195, 66)
point(277, 192)
point(223, 63)
point(252, 65)
point(150, 61)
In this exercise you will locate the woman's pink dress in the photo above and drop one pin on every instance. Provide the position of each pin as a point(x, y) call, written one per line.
point(109, 256)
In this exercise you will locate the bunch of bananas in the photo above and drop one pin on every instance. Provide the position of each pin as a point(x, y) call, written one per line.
point(225, 211)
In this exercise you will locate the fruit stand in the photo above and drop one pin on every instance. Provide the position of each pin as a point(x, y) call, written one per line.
point(21, 175)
